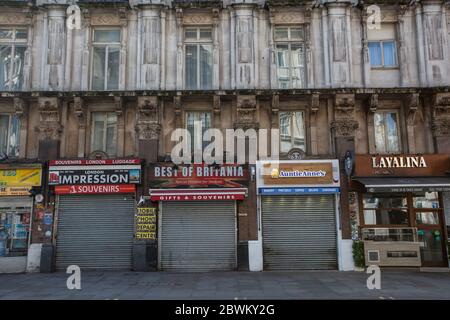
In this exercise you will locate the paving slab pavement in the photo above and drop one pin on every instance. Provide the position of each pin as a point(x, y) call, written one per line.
point(101, 285)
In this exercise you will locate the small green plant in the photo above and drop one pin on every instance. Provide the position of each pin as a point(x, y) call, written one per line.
point(358, 254)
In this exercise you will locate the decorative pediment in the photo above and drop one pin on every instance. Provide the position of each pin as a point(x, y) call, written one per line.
point(49, 116)
point(246, 112)
point(345, 105)
point(440, 123)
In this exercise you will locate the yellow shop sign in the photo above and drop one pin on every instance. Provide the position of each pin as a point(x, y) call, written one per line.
point(23, 177)
point(15, 191)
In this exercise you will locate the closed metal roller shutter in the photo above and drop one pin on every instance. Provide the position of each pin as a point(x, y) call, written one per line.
point(299, 232)
point(95, 231)
point(198, 236)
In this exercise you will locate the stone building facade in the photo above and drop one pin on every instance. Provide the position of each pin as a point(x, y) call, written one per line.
point(142, 68)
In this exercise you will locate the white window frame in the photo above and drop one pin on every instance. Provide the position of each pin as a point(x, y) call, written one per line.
point(291, 126)
point(289, 41)
point(10, 119)
point(383, 66)
point(105, 127)
point(106, 45)
point(384, 113)
point(198, 42)
point(13, 43)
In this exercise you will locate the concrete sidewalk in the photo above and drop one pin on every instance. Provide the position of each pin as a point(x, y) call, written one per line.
point(227, 285)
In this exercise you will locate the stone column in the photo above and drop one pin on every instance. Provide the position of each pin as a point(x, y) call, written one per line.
point(339, 44)
point(80, 111)
point(246, 117)
point(440, 124)
point(372, 108)
point(56, 29)
point(244, 46)
point(412, 110)
point(49, 129)
point(435, 43)
point(314, 110)
point(149, 46)
point(344, 128)
point(21, 111)
point(148, 128)
point(119, 105)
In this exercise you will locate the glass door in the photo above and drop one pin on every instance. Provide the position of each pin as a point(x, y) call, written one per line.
point(430, 229)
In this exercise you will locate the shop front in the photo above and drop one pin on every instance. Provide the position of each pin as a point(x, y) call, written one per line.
point(298, 214)
point(401, 208)
point(197, 221)
point(16, 210)
point(95, 209)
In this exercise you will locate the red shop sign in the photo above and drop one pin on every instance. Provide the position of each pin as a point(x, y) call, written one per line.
point(198, 194)
point(92, 162)
point(96, 189)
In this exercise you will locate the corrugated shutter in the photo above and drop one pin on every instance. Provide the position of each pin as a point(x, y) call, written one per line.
point(95, 231)
point(198, 236)
point(299, 232)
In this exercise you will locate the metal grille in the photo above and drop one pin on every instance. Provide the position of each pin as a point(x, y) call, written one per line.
point(299, 232)
point(95, 231)
point(198, 236)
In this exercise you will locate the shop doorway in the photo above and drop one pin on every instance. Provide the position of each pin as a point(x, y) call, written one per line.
point(430, 232)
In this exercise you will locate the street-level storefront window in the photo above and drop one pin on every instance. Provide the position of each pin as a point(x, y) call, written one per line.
point(104, 132)
point(106, 59)
point(14, 231)
point(292, 131)
point(9, 135)
point(290, 57)
point(387, 137)
point(13, 44)
point(385, 209)
point(198, 58)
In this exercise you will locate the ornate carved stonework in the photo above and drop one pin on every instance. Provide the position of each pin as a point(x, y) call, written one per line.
point(295, 16)
point(49, 114)
point(344, 127)
point(440, 123)
point(344, 123)
point(216, 104)
point(275, 110)
point(118, 106)
point(148, 127)
point(413, 108)
point(178, 109)
point(192, 19)
point(373, 103)
point(314, 107)
point(80, 112)
point(21, 110)
point(97, 154)
point(15, 18)
point(246, 113)
point(148, 131)
point(106, 19)
point(345, 105)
